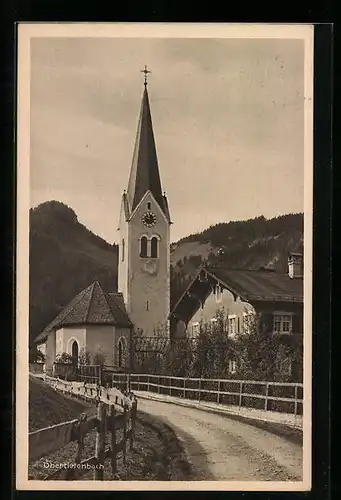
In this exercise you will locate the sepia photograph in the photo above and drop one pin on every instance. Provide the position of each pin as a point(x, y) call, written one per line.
point(164, 256)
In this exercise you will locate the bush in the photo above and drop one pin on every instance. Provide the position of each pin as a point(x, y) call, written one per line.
point(258, 354)
point(64, 358)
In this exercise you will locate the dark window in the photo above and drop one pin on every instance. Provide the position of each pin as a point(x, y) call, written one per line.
point(143, 246)
point(149, 205)
point(147, 305)
point(74, 352)
point(120, 353)
point(122, 250)
point(154, 244)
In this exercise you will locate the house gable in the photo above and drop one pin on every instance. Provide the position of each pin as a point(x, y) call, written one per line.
point(237, 292)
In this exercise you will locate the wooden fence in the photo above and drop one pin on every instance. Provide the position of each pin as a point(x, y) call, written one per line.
point(262, 395)
point(36, 367)
point(115, 411)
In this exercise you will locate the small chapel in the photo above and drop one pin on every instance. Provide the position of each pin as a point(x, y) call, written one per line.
point(101, 323)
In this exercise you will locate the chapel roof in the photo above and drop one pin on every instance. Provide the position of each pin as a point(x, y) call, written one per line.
point(92, 306)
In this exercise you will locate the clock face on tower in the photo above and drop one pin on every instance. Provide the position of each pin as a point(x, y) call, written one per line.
point(149, 219)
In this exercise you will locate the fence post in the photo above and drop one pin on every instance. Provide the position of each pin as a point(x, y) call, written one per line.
point(98, 395)
point(218, 395)
point(133, 420)
point(148, 383)
point(158, 385)
point(199, 389)
point(138, 382)
point(241, 394)
point(71, 473)
point(125, 434)
point(295, 405)
point(100, 441)
point(184, 394)
point(113, 439)
point(266, 396)
point(170, 385)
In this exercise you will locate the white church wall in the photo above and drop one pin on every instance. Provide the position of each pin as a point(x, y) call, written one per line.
point(123, 255)
point(50, 351)
point(148, 278)
point(65, 337)
point(59, 341)
point(100, 340)
point(42, 348)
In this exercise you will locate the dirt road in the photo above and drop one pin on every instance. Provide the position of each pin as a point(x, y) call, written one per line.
point(224, 449)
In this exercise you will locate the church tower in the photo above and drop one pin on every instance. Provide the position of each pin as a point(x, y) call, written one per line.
point(144, 234)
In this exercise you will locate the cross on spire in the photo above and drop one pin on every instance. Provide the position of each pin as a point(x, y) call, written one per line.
point(145, 71)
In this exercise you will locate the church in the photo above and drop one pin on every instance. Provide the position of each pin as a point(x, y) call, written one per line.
point(99, 323)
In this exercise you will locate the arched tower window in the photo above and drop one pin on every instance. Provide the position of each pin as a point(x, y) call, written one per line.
point(154, 247)
point(144, 247)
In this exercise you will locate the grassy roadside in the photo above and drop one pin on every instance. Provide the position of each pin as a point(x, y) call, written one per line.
point(157, 454)
point(47, 407)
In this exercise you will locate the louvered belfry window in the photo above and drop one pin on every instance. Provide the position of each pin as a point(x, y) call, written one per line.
point(144, 247)
point(154, 248)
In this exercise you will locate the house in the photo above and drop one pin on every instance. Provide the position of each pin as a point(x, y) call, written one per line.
point(95, 320)
point(276, 297)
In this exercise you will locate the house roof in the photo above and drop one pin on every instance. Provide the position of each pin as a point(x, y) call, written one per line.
point(92, 306)
point(250, 285)
point(144, 172)
point(266, 285)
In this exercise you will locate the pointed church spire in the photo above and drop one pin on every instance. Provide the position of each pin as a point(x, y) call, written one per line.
point(144, 172)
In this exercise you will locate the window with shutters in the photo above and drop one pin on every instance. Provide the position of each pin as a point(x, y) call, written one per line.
point(247, 321)
point(232, 324)
point(232, 366)
point(282, 323)
point(195, 328)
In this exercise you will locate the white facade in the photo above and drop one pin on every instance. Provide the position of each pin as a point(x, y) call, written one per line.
point(104, 340)
point(236, 312)
point(145, 280)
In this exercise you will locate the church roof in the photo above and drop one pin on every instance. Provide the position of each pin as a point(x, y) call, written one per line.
point(250, 285)
point(144, 172)
point(92, 306)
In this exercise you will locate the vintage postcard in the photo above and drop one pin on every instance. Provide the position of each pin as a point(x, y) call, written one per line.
point(164, 256)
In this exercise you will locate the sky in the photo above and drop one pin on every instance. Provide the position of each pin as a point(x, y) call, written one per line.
point(228, 123)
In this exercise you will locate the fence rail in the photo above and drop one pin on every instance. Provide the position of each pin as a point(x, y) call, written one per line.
point(269, 396)
point(115, 412)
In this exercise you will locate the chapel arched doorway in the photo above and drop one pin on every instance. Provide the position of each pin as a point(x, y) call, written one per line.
point(74, 352)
